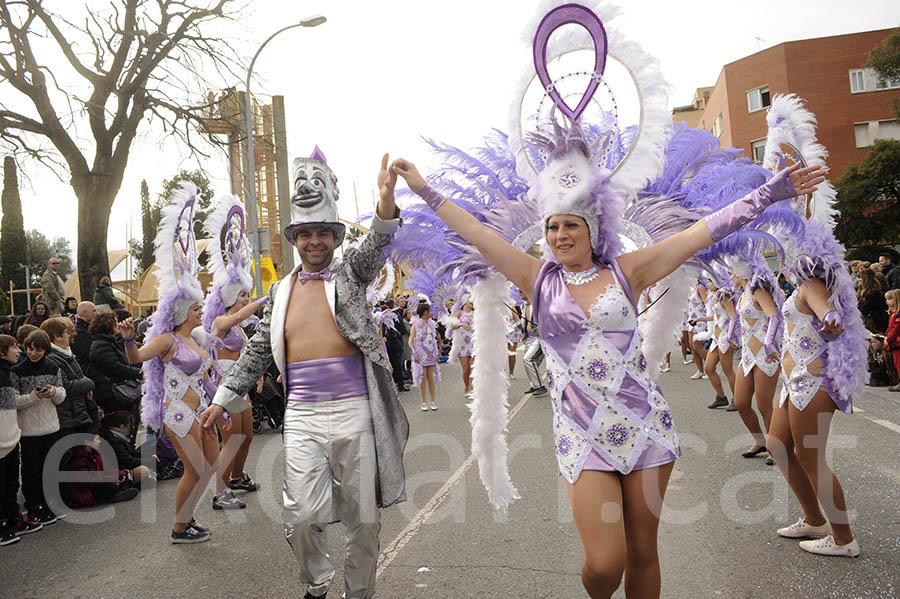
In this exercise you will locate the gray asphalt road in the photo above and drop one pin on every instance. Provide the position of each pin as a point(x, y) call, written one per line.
point(717, 537)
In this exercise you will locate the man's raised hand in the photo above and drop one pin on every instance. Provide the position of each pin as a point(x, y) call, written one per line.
point(387, 179)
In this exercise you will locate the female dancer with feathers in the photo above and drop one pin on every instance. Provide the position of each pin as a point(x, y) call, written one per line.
point(584, 289)
point(697, 323)
point(759, 309)
point(463, 332)
point(722, 326)
point(823, 355)
point(227, 306)
point(178, 387)
point(423, 341)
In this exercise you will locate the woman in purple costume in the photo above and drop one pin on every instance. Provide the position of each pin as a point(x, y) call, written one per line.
point(721, 321)
point(463, 332)
point(697, 323)
point(614, 436)
point(424, 345)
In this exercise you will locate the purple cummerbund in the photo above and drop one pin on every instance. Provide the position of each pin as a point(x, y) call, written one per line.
point(327, 379)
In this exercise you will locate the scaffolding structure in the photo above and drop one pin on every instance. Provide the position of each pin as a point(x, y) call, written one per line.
point(225, 117)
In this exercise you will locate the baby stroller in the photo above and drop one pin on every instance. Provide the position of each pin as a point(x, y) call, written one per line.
point(268, 405)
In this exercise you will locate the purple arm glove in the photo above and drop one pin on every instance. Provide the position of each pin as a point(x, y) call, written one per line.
point(733, 332)
point(209, 386)
point(831, 317)
point(772, 328)
point(431, 197)
point(743, 211)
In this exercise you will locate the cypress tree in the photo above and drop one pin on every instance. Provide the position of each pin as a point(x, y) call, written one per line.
point(148, 228)
point(12, 242)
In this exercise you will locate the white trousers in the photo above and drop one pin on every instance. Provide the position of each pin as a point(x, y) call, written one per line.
point(330, 475)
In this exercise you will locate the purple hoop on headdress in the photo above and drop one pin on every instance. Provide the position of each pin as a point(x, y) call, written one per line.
point(569, 14)
point(186, 242)
point(232, 245)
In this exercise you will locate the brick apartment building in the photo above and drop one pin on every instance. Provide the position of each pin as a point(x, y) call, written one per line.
point(852, 105)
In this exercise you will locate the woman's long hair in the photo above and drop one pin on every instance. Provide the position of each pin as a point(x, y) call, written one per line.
point(867, 283)
point(895, 295)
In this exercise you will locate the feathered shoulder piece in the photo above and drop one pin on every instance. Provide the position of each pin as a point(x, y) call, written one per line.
point(229, 257)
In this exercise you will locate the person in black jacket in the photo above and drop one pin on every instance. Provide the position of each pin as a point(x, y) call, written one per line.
point(78, 413)
point(394, 345)
point(104, 295)
point(108, 363)
point(81, 344)
point(116, 429)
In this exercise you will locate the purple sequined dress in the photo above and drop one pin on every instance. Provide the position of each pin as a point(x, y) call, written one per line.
point(608, 414)
point(463, 337)
point(425, 348)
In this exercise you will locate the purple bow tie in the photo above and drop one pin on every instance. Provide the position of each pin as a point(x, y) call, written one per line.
point(324, 274)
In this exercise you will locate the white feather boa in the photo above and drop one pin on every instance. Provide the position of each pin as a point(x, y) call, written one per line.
point(489, 403)
point(662, 321)
point(450, 325)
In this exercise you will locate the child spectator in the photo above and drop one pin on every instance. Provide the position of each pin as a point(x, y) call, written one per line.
point(879, 363)
point(892, 336)
point(12, 526)
point(116, 429)
point(76, 414)
point(21, 334)
point(39, 389)
point(103, 487)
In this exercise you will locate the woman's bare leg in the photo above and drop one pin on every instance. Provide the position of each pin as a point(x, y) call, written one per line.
point(596, 502)
point(780, 444)
point(809, 429)
point(429, 380)
point(727, 361)
point(697, 353)
point(765, 394)
point(743, 400)
point(190, 450)
point(511, 356)
point(712, 360)
point(643, 492)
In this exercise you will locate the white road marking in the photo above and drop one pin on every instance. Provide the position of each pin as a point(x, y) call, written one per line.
point(886, 424)
point(860, 410)
point(393, 549)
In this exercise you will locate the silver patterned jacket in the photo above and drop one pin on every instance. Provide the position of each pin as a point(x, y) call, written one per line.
point(346, 294)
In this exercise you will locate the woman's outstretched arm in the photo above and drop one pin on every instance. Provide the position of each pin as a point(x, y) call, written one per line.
point(513, 263)
point(649, 265)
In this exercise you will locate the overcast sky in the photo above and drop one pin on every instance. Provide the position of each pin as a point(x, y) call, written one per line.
point(379, 75)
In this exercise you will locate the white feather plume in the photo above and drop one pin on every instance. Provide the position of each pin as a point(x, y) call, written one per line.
point(791, 123)
point(490, 383)
point(658, 326)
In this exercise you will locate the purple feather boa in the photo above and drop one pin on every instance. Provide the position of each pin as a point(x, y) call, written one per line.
point(821, 256)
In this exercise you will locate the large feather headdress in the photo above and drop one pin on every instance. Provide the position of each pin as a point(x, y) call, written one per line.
point(177, 270)
point(229, 257)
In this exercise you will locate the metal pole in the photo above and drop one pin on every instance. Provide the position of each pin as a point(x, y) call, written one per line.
point(250, 173)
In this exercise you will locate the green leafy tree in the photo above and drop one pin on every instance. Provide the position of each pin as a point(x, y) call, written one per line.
point(885, 59)
point(869, 198)
point(77, 88)
point(12, 241)
point(41, 249)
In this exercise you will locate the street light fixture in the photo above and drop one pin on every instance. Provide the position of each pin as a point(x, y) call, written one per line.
point(250, 161)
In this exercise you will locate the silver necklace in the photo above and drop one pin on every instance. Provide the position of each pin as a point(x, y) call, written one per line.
point(580, 278)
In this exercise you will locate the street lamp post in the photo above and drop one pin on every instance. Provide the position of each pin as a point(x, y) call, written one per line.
point(250, 160)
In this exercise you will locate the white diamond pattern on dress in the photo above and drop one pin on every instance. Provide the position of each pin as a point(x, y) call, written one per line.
point(754, 324)
point(598, 370)
point(804, 344)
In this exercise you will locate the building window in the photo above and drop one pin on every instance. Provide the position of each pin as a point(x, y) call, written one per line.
point(717, 127)
point(758, 98)
point(857, 81)
point(867, 133)
point(758, 150)
point(886, 84)
point(867, 80)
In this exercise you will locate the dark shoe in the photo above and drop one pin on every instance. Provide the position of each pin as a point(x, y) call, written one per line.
point(7, 537)
point(720, 402)
point(124, 495)
point(244, 483)
point(754, 453)
point(309, 595)
point(24, 527)
point(190, 535)
point(770, 461)
point(542, 390)
point(227, 501)
point(731, 407)
point(193, 524)
point(42, 515)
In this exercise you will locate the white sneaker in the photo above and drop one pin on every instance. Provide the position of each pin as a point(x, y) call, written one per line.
point(433, 407)
point(801, 530)
point(664, 368)
point(697, 376)
point(687, 361)
point(512, 377)
point(705, 376)
point(827, 546)
point(424, 408)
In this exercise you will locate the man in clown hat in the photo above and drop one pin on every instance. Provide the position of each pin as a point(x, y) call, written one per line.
point(344, 427)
